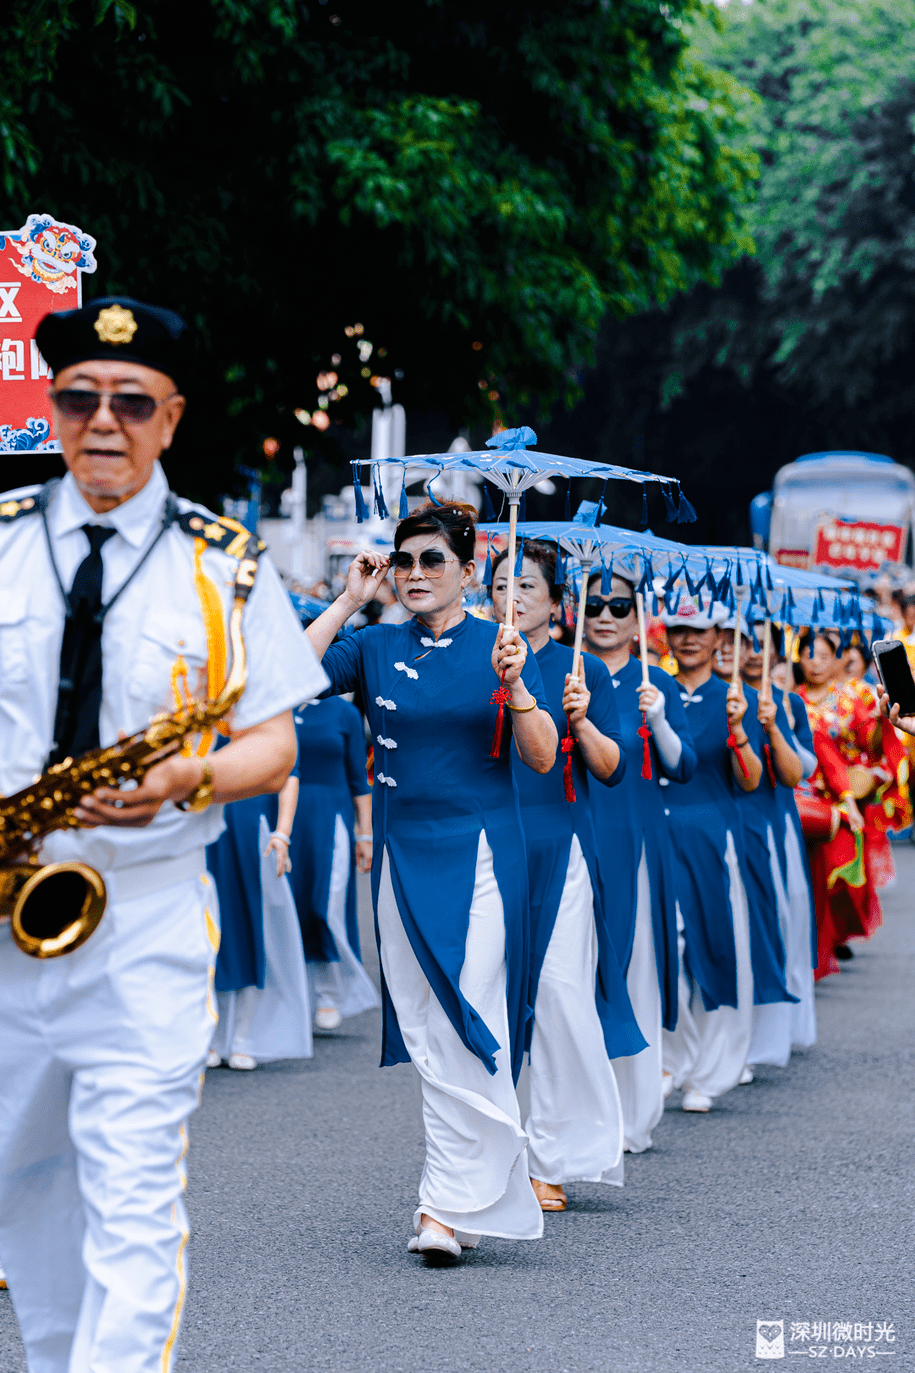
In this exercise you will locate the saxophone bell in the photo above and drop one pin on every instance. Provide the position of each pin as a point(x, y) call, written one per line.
point(53, 907)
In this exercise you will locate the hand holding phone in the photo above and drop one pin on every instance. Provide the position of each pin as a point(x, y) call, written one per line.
point(897, 693)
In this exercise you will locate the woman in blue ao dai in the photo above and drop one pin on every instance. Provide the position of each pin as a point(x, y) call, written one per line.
point(325, 855)
point(790, 869)
point(449, 875)
point(260, 980)
point(707, 1052)
point(634, 847)
point(582, 1016)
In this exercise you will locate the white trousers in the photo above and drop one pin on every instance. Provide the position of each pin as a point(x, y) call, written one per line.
point(708, 1049)
point(101, 1058)
point(798, 953)
point(273, 1021)
point(344, 984)
point(639, 1077)
point(475, 1177)
point(771, 1038)
point(575, 1126)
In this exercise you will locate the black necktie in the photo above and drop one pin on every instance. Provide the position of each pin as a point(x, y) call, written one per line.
point(79, 695)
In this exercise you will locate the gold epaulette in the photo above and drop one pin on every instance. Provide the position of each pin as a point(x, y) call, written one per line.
point(11, 510)
point(223, 533)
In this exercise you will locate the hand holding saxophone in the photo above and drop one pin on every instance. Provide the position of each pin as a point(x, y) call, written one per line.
point(174, 779)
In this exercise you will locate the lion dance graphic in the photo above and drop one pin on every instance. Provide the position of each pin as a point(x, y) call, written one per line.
point(50, 252)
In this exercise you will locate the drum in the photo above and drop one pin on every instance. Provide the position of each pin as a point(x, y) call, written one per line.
point(861, 781)
point(819, 819)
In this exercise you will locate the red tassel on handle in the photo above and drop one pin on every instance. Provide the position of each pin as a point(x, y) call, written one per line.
point(568, 744)
point(500, 697)
point(732, 743)
point(645, 734)
point(769, 768)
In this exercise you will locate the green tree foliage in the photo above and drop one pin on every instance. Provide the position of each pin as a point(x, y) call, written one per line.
point(829, 308)
point(477, 185)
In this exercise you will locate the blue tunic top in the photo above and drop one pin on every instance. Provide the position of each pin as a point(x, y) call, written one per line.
point(637, 815)
point(331, 772)
point(758, 811)
point(235, 864)
point(550, 821)
point(436, 788)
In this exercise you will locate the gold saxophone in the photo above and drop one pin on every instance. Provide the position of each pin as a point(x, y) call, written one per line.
point(55, 907)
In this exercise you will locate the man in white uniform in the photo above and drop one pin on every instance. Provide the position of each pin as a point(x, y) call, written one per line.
point(114, 594)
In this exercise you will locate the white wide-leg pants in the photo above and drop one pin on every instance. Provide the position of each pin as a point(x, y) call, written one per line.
point(798, 951)
point(575, 1126)
point(344, 984)
point(639, 1077)
point(101, 1058)
point(475, 1177)
point(708, 1049)
point(771, 1038)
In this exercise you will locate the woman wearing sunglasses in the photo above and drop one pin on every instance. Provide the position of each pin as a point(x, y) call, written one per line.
point(449, 877)
point(582, 1016)
point(635, 846)
point(707, 1052)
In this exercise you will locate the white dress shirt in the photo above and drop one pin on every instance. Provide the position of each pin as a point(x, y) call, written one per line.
point(157, 618)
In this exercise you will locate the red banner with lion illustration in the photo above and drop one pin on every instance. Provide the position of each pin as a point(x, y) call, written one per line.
point(41, 267)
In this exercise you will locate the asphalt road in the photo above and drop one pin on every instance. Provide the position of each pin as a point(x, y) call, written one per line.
point(791, 1201)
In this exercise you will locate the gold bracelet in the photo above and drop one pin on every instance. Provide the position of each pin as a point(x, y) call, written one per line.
point(522, 710)
point(202, 795)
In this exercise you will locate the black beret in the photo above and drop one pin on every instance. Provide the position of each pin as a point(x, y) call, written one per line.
point(120, 328)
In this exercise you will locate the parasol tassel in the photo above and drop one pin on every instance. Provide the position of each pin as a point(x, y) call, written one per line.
point(645, 734)
point(568, 744)
point(732, 743)
point(769, 768)
point(500, 697)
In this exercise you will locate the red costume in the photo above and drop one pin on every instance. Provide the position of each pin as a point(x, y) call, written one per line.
point(848, 869)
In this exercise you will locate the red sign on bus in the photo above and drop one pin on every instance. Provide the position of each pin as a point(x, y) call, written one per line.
point(41, 267)
point(857, 543)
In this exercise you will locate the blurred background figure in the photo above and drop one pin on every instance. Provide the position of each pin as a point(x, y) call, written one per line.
point(325, 854)
point(261, 985)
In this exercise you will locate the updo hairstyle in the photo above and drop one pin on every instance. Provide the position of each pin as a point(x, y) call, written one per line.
point(454, 520)
point(544, 555)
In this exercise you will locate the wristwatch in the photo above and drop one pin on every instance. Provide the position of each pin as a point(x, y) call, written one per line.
point(202, 795)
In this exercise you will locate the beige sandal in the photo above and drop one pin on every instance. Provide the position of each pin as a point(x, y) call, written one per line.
point(550, 1195)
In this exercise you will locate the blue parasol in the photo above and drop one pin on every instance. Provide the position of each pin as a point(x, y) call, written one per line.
point(509, 464)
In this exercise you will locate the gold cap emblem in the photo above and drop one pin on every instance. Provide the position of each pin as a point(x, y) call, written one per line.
point(115, 325)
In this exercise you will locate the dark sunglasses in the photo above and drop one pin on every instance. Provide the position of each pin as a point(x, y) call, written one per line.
point(127, 407)
point(431, 560)
point(619, 606)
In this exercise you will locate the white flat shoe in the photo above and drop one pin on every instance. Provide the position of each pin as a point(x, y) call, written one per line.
point(213, 1059)
point(745, 1077)
point(328, 1018)
point(667, 1084)
point(437, 1249)
point(696, 1101)
point(468, 1242)
point(3, 1282)
point(242, 1063)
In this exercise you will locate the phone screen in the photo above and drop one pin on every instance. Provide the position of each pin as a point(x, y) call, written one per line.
point(896, 675)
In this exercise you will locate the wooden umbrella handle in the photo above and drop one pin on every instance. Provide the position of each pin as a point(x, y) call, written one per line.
point(512, 544)
point(643, 637)
point(765, 686)
point(586, 565)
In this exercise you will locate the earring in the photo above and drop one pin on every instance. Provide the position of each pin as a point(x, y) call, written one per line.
point(718, 658)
